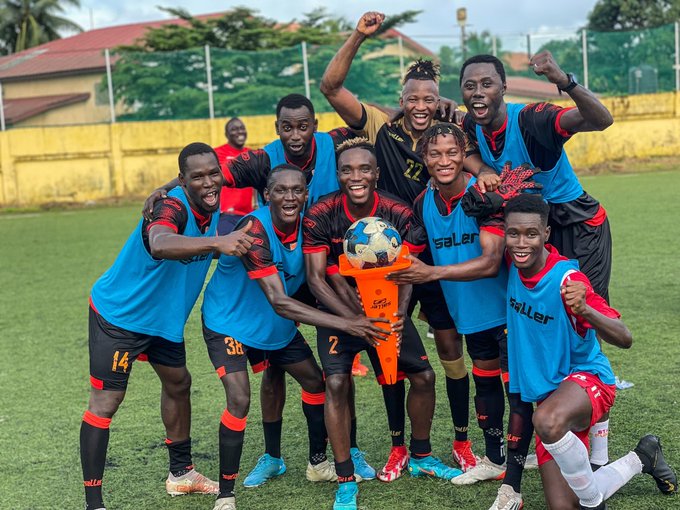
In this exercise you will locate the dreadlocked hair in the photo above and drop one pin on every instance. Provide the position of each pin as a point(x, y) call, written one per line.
point(441, 129)
point(360, 142)
point(422, 70)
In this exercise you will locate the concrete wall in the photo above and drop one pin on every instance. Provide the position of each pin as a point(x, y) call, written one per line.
point(79, 163)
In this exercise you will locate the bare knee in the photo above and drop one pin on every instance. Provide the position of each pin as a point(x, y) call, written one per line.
point(337, 388)
point(178, 387)
point(422, 381)
point(104, 403)
point(238, 403)
point(550, 423)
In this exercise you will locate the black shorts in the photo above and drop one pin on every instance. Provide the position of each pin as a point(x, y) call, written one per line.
point(489, 344)
point(228, 355)
point(114, 349)
point(591, 246)
point(337, 350)
point(431, 299)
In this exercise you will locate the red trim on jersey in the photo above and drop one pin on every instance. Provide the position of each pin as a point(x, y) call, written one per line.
point(221, 372)
point(598, 219)
point(558, 129)
point(288, 238)
point(96, 421)
point(89, 299)
point(314, 399)
point(485, 373)
point(143, 357)
point(449, 203)
point(311, 157)
point(316, 249)
point(97, 384)
point(203, 221)
point(494, 134)
point(260, 367)
point(333, 269)
point(232, 422)
point(261, 273)
point(493, 230)
point(415, 248)
point(163, 223)
point(376, 199)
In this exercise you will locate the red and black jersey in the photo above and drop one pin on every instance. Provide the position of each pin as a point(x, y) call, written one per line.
point(493, 224)
point(258, 260)
point(251, 168)
point(544, 139)
point(326, 222)
point(170, 212)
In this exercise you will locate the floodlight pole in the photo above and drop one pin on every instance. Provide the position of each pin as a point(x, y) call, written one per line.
point(584, 44)
point(494, 46)
point(401, 56)
point(208, 70)
point(109, 81)
point(461, 18)
point(677, 56)
point(2, 110)
point(305, 68)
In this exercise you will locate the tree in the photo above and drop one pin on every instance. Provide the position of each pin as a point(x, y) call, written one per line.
point(608, 15)
point(254, 60)
point(28, 23)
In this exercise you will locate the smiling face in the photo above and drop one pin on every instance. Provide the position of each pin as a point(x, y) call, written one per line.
point(444, 160)
point(202, 181)
point(296, 128)
point(419, 100)
point(358, 175)
point(482, 90)
point(525, 238)
point(236, 133)
point(286, 194)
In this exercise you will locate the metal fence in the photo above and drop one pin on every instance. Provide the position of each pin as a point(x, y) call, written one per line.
point(212, 82)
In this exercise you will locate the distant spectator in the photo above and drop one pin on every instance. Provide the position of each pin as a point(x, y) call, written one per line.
point(234, 202)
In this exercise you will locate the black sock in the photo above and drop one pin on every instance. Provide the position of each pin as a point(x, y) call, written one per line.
point(353, 433)
point(312, 407)
point(420, 448)
point(272, 437)
point(490, 407)
point(180, 456)
point(520, 431)
point(394, 396)
point(94, 440)
point(232, 431)
point(345, 471)
point(458, 391)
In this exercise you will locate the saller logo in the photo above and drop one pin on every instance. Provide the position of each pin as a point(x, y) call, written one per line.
point(452, 240)
point(379, 304)
point(524, 309)
point(395, 136)
point(196, 258)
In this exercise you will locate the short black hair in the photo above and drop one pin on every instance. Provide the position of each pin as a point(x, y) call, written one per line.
point(443, 128)
point(531, 203)
point(422, 70)
point(191, 150)
point(233, 119)
point(484, 59)
point(358, 142)
point(274, 172)
point(293, 102)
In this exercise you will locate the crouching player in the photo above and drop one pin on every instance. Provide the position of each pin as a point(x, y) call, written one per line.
point(248, 314)
point(556, 361)
point(138, 309)
point(324, 226)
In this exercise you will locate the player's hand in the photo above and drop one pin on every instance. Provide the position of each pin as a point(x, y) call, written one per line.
point(417, 272)
point(488, 181)
point(237, 243)
point(398, 328)
point(366, 328)
point(574, 295)
point(515, 181)
point(544, 64)
point(369, 23)
point(147, 208)
point(447, 110)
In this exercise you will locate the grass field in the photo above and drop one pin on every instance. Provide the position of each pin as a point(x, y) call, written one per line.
point(48, 261)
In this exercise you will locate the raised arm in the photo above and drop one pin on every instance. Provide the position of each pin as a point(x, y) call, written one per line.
point(164, 243)
point(590, 114)
point(340, 98)
point(293, 309)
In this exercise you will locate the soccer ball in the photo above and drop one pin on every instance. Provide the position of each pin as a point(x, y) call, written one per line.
point(371, 242)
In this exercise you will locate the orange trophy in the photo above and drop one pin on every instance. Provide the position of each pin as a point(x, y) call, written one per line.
point(380, 298)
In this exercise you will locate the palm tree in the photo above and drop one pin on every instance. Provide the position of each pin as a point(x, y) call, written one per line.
point(28, 23)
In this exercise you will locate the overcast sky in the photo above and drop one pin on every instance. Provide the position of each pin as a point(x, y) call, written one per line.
point(501, 17)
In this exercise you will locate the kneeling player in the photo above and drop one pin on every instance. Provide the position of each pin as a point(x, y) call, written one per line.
point(138, 308)
point(556, 361)
point(240, 321)
point(324, 226)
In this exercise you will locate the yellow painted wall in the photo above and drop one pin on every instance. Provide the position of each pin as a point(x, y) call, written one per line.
point(91, 162)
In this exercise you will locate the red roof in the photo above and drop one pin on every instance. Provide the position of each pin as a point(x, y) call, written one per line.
point(78, 54)
point(20, 109)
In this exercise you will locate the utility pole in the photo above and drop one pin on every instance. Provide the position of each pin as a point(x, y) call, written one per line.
point(461, 17)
